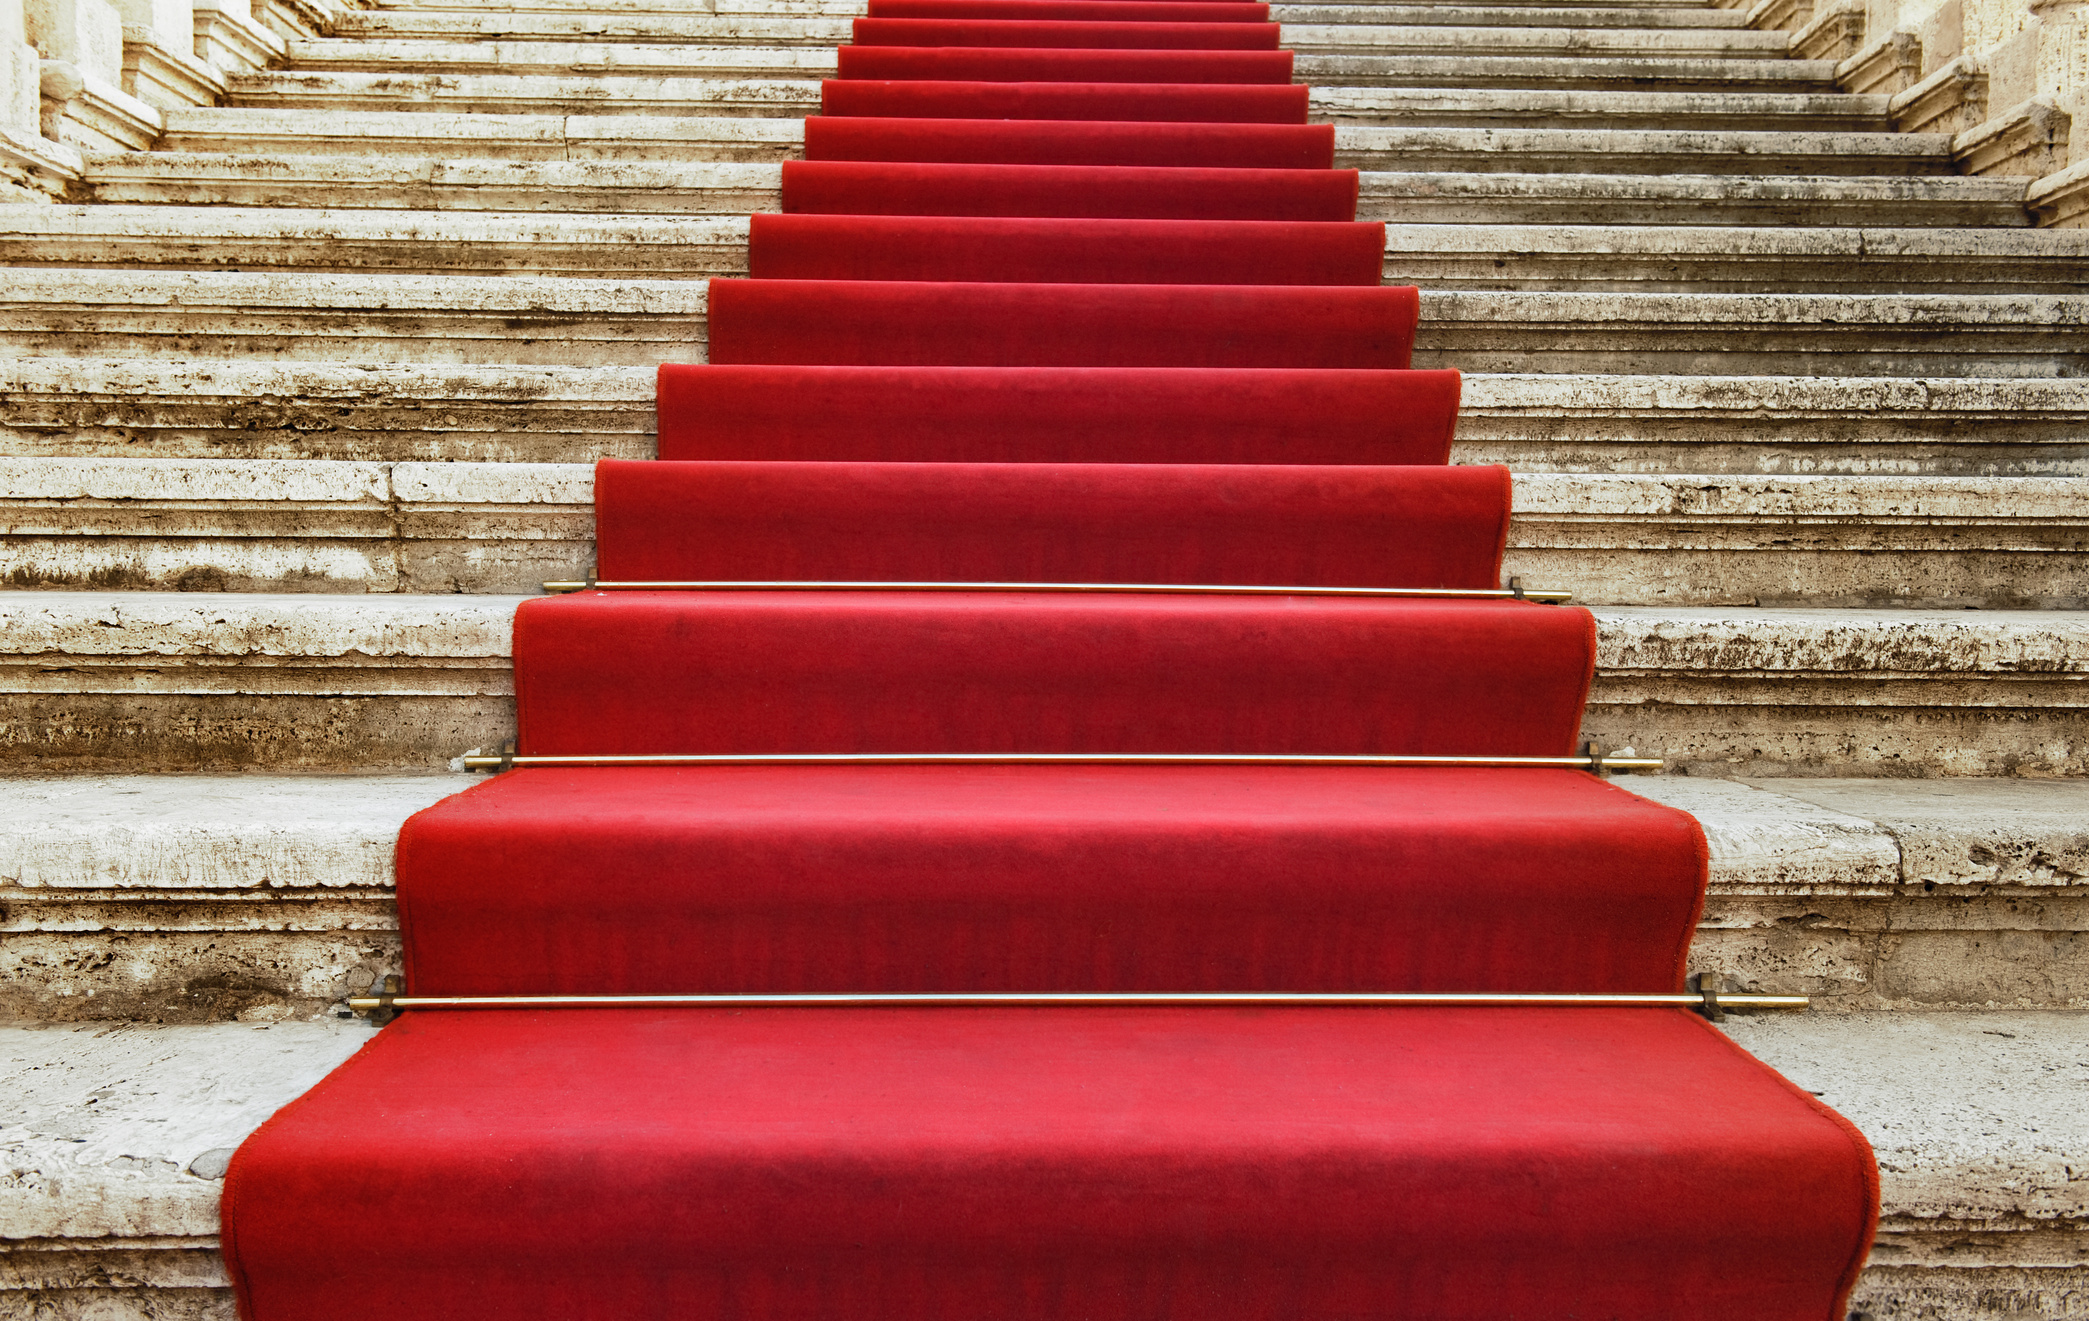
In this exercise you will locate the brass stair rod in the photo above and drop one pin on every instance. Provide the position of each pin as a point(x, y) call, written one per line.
point(504, 761)
point(1513, 592)
point(845, 999)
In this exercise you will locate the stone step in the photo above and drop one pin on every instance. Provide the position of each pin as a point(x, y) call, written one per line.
point(644, 138)
point(665, 18)
point(526, 319)
point(426, 319)
point(1697, 539)
point(1573, 257)
point(503, 94)
point(382, 413)
point(659, 139)
point(1455, 197)
point(1447, 105)
point(123, 1133)
point(1332, 30)
point(1817, 112)
point(1594, 73)
point(197, 681)
point(2024, 335)
point(263, 896)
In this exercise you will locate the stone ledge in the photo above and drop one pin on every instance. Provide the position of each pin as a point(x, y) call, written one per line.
point(2061, 199)
point(121, 408)
point(200, 681)
point(1816, 112)
point(259, 896)
point(1973, 1118)
point(276, 525)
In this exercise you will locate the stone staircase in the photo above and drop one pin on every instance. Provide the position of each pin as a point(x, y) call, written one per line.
point(296, 401)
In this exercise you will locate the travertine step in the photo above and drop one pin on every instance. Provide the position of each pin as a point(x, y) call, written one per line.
point(262, 896)
point(1334, 31)
point(1632, 107)
point(1594, 73)
point(1818, 112)
point(2027, 335)
point(505, 94)
point(423, 319)
point(1700, 539)
point(525, 319)
point(145, 681)
point(292, 239)
point(736, 188)
point(1699, 29)
point(89, 408)
point(658, 139)
point(1571, 257)
point(645, 138)
point(123, 1133)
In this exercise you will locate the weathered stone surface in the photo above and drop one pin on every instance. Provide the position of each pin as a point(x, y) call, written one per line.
point(379, 133)
point(367, 317)
point(1551, 108)
point(1974, 1118)
point(1459, 198)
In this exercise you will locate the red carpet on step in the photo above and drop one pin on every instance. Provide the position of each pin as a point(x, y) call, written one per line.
point(1066, 291)
point(1055, 415)
point(1004, 34)
point(1106, 1165)
point(1072, 142)
point(1058, 250)
point(907, 323)
point(1087, 11)
point(1049, 522)
point(1046, 64)
point(1047, 878)
point(1099, 101)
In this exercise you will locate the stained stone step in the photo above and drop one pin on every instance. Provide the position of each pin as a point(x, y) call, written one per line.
point(503, 94)
point(426, 319)
point(1819, 112)
point(270, 896)
point(1331, 31)
point(426, 242)
point(393, 412)
point(2025, 335)
point(524, 319)
point(811, 59)
point(124, 1130)
point(737, 188)
point(1697, 539)
point(194, 681)
point(1609, 73)
point(1569, 257)
point(1702, 29)
point(1630, 107)
point(659, 139)
point(644, 138)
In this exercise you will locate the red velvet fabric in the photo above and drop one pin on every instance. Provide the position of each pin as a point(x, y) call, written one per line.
point(922, 323)
point(1096, 102)
point(764, 672)
point(1042, 65)
point(904, 188)
point(1088, 11)
point(1050, 1165)
point(1046, 878)
point(1020, 34)
point(1072, 142)
point(1055, 415)
point(1047, 522)
point(996, 249)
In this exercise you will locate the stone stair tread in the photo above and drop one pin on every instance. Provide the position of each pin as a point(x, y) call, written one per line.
point(487, 93)
point(1619, 72)
point(1900, 890)
point(1454, 106)
point(652, 187)
point(344, 526)
point(382, 412)
point(122, 1131)
point(662, 138)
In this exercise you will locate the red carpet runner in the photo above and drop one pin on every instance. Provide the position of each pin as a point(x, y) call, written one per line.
point(1065, 291)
